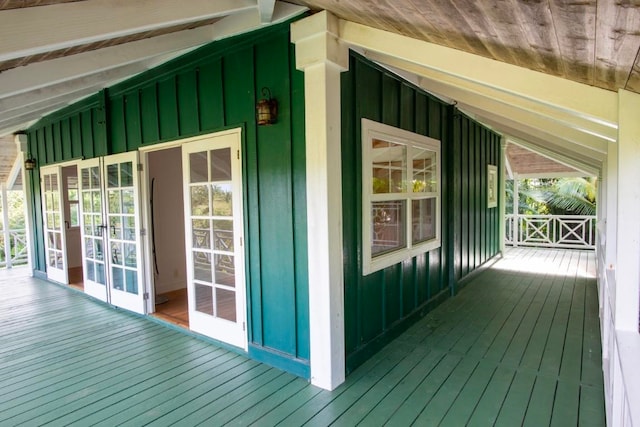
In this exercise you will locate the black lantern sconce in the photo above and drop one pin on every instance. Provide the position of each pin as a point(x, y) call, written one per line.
point(267, 109)
point(29, 163)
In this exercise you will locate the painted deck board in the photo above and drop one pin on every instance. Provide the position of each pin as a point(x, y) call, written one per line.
point(519, 345)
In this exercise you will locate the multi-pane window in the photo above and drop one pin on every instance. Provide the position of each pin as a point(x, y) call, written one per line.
point(400, 193)
point(74, 202)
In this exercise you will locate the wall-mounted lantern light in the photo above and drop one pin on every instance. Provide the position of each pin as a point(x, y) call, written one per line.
point(267, 109)
point(29, 163)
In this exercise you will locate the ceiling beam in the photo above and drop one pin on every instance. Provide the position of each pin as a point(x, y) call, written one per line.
point(596, 149)
point(62, 26)
point(55, 71)
point(552, 149)
point(266, 10)
point(548, 94)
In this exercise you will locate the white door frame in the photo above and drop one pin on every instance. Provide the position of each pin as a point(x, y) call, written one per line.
point(60, 275)
point(234, 333)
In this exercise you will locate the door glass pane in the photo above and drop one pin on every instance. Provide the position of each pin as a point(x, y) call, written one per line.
point(84, 177)
point(100, 274)
point(224, 270)
point(112, 176)
point(88, 247)
point(95, 177)
point(226, 304)
point(114, 201)
point(132, 281)
point(204, 299)
point(97, 201)
point(52, 258)
point(116, 253)
point(99, 255)
point(223, 235)
point(126, 174)
point(59, 260)
point(388, 227)
point(91, 275)
point(129, 228)
point(54, 182)
point(199, 200)
point(423, 220)
point(117, 278)
point(130, 259)
point(127, 202)
point(201, 233)
point(198, 167)
point(222, 199)
point(221, 165)
point(202, 266)
point(58, 240)
point(115, 226)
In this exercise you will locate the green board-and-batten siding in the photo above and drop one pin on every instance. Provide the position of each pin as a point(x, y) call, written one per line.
point(381, 305)
point(215, 88)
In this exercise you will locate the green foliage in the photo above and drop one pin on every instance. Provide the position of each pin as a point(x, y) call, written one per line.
point(15, 201)
point(554, 196)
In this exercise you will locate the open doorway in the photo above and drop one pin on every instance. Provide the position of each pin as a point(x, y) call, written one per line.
point(166, 213)
point(71, 206)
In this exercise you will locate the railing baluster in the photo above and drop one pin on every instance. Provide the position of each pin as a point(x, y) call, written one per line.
point(568, 231)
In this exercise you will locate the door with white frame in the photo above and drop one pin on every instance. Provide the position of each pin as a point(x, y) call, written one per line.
point(124, 243)
point(111, 231)
point(92, 229)
point(214, 237)
point(54, 220)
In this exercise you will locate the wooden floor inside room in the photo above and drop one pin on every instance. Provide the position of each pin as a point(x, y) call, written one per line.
point(76, 279)
point(176, 308)
point(518, 346)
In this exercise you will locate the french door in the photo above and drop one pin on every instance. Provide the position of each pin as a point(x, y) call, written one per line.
point(54, 220)
point(213, 237)
point(111, 232)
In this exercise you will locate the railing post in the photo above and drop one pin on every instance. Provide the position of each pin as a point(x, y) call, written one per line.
point(5, 227)
point(516, 210)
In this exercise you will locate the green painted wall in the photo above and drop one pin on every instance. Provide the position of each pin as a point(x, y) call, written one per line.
point(211, 89)
point(380, 306)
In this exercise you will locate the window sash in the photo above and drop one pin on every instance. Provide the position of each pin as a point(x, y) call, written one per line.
point(415, 236)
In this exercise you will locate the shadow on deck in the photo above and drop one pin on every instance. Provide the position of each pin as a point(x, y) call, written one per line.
point(520, 345)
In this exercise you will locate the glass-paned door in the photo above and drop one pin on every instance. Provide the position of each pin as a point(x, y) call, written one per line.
point(214, 228)
point(53, 219)
point(123, 246)
point(92, 228)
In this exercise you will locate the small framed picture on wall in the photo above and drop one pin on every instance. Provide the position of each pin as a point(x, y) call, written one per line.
point(492, 186)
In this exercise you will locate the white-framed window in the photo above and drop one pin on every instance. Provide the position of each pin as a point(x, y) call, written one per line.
point(400, 195)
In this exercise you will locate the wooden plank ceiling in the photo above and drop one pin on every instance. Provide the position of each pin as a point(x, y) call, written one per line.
point(596, 42)
point(54, 52)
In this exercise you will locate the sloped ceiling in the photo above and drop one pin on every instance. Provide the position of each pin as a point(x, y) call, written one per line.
point(55, 52)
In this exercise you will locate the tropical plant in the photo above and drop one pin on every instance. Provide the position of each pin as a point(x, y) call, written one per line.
point(554, 196)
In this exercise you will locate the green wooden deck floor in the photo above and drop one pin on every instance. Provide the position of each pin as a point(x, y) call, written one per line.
point(518, 346)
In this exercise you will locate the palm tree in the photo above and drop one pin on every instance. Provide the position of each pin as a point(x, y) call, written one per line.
point(571, 196)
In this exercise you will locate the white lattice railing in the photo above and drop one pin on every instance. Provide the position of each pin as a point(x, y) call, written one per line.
point(17, 248)
point(554, 231)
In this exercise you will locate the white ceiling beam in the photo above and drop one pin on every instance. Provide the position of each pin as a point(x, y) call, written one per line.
point(579, 141)
point(553, 149)
point(59, 70)
point(583, 168)
point(498, 79)
point(266, 10)
point(470, 93)
point(61, 26)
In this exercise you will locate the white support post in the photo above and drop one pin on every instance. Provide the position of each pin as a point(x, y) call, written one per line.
point(502, 207)
point(627, 302)
point(22, 148)
point(322, 57)
point(516, 211)
point(5, 227)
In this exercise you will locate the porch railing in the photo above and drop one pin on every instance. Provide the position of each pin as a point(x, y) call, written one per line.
point(17, 248)
point(553, 231)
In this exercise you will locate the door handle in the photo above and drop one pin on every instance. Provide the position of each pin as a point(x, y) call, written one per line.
point(66, 224)
point(99, 229)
